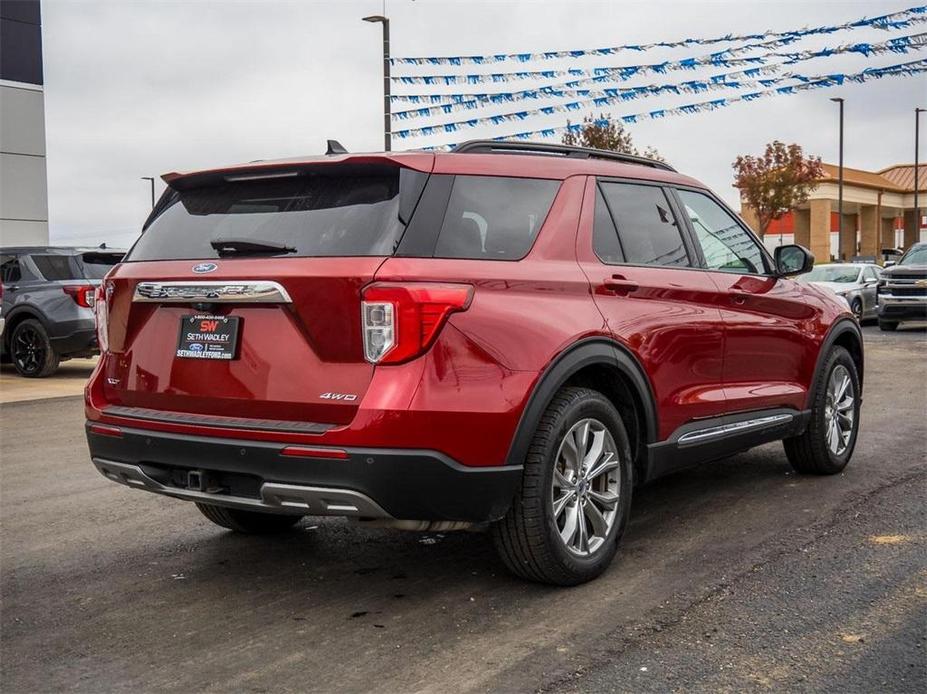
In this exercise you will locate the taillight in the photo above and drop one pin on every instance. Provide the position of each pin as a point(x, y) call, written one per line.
point(83, 294)
point(401, 321)
point(101, 312)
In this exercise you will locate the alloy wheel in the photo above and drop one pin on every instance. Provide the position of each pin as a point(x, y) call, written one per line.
point(29, 350)
point(839, 410)
point(586, 487)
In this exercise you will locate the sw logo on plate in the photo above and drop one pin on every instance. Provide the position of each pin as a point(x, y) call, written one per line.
point(204, 267)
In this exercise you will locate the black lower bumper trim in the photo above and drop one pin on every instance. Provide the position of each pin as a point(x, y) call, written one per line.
point(407, 484)
point(899, 312)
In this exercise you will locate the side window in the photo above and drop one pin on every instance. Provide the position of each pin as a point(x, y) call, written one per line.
point(648, 233)
point(604, 234)
point(55, 267)
point(870, 274)
point(9, 268)
point(725, 244)
point(494, 218)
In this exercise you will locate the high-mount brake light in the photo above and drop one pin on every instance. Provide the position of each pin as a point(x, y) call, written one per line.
point(400, 321)
point(83, 294)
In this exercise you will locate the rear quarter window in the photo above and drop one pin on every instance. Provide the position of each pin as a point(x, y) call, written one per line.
point(494, 218)
point(56, 267)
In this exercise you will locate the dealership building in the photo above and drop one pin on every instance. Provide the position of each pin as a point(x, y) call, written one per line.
point(23, 180)
point(878, 213)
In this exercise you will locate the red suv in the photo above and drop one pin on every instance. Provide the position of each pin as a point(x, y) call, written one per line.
point(512, 335)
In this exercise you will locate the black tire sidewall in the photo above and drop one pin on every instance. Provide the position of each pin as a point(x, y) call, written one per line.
point(50, 362)
point(595, 406)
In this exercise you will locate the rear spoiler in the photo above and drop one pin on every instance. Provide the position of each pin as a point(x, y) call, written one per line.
point(258, 170)
point(420, 161)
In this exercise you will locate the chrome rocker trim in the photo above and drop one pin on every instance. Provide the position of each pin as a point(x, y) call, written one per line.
point(183, 292)
point(275, 497)
point(703, 435)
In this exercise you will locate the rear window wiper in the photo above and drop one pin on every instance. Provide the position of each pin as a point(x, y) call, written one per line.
point(246, 246)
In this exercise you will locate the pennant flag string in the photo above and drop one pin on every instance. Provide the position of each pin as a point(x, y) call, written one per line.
point(713, 83)
point(538, 92)
point(896, 20)
point(726, 58)
point(808, 83)
point(899, 44)
point(737, 80)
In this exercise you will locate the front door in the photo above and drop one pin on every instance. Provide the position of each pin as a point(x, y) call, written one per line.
point(640, 263)
point(766, 355)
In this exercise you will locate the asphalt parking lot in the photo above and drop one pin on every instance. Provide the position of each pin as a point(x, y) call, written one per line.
point(735, 576)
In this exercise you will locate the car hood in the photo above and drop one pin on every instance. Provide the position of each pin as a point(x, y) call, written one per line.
point(837, 287)
point(905, 270)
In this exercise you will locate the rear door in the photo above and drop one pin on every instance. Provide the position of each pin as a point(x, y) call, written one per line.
point(769, 352)
point(640, 263)
point(242, 297)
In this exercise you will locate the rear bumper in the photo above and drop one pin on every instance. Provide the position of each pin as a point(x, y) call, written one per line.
point(369, 483)
point(80, 342)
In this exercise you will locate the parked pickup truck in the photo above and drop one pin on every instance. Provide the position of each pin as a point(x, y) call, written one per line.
point(903, 289)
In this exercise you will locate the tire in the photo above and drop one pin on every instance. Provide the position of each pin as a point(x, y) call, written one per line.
point(31, 351)
point(814, 452)
point(888, 325)
point(529, 539)
point(857, 308)
point(250, 522)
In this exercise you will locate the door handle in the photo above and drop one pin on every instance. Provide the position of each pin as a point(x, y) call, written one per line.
point(617, 284)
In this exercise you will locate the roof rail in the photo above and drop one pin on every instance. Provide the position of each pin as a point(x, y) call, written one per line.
point(511, 147)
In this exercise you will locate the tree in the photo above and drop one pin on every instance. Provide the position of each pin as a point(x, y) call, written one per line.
point(604, 133)
point(776, 182)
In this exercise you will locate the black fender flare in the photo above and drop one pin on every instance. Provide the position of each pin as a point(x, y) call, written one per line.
point(21, 312)
point(841, 327)
point(586, 352)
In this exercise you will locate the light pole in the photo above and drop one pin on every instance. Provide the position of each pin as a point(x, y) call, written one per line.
point(839, 100)
point(387, 136)
point(150, 180)
point(917, 146)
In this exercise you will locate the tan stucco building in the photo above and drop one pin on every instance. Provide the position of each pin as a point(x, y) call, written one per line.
point(877, 205)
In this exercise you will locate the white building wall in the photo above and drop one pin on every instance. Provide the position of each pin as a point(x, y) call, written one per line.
point(23, 177)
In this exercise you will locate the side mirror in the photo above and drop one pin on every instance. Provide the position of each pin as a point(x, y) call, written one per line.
point(889, 263)
point(792, 260)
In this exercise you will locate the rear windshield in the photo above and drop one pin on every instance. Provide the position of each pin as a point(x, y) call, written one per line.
point(328, 211)
point(96, 265)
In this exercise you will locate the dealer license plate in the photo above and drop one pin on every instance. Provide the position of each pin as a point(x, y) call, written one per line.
point(208, 337)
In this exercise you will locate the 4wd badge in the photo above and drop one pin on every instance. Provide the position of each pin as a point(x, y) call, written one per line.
point(338, 396)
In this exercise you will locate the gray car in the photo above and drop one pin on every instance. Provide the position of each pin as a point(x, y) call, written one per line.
point(48, 296)
point(857, 283)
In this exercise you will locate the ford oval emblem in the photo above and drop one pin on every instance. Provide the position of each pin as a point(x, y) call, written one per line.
point(204, 267)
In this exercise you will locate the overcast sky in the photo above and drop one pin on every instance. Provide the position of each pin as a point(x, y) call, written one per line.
point(142, 88)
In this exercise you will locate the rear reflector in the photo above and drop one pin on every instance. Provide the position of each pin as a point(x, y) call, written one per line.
point(104, 430)
point(306, 452)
